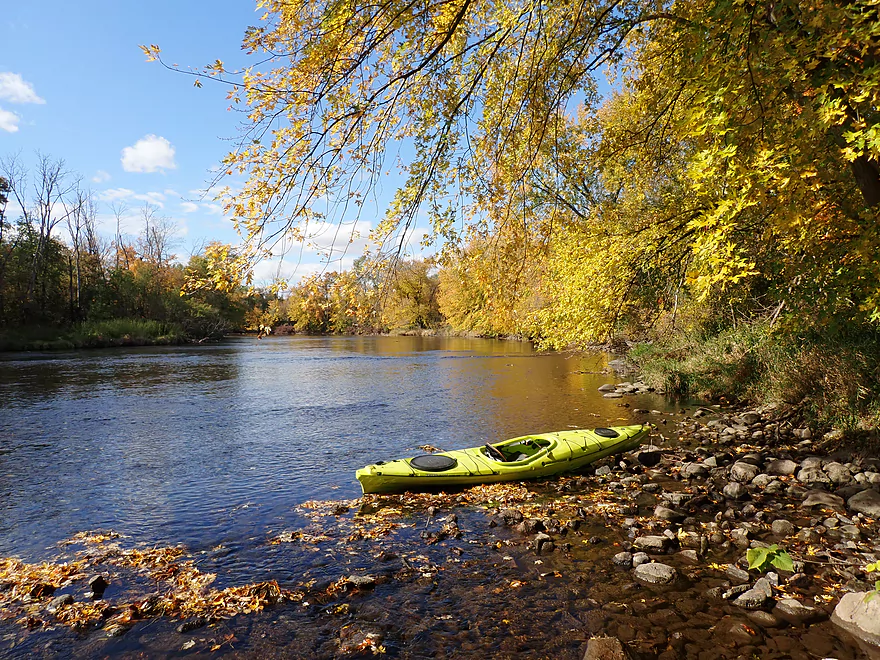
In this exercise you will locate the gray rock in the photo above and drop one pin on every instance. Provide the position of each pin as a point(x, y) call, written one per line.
point(655, 544)
point(735, 490)
point(867, 502)
point(782, 528)
point(608, 387)
point(859, 618)
point(813, 475)
point(839, 474)
point(763, 619)
point(655, 574)
point(624, 559)
point(750, 417)
point(822, 499)
point(796, 612)
point(740, 538)
point(743, 472)
point(763, 480)
point(755, 597)
point(782, 467)
point(733, 592)
point(692, 470)
point(850, 532)
point(690, 556)
point(677, 499)
point(737, 575)
point(775, 486)
point(606, 648)
point(361, 581)
point(640, 558)
point(59, 601)
point(602, 471)
point(665, 513)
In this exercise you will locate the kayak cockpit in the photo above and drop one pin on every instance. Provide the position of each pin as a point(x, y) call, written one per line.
point(518, 450)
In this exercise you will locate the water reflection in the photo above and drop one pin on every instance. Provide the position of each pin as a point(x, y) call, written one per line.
point(206, 445)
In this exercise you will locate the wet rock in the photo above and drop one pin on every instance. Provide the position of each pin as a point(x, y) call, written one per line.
point(665, 513)
point(606, 648)
point(511, 516)
point(859, 618)
point(796, 612)
point(543, 543)
point(654, 544)
point(152, 605)
point(640, 558)
point(624, 559)
point(736, 632)
point(743, 472)
point(356, 642)
point(613, 395)
point(649, 457)
point(782, 467)
point(782, 528)
point(116, 630)
point(361, 581)
point(755, 597)
point(735, 491)
point(657, 574)
point(191, 624)
point(59, 601)
point(98, 584)
point(822, 499)
point(530, 526)
point(763, 619)
point(607, 387)
point(866, 502)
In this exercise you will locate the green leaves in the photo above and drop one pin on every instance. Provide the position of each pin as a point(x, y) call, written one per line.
point(762, 559)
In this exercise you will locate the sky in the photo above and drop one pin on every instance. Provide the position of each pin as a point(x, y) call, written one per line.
point(74, 85)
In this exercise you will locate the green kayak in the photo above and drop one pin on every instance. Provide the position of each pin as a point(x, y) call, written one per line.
point(527, 457)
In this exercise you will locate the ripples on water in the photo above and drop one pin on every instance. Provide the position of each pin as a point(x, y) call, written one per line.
point(205, 445)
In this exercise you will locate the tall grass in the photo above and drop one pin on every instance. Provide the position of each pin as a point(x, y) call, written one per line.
point(93, 334)
point(830, 377)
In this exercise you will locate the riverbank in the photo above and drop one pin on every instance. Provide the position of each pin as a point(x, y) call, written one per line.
point(93, 334)
point(650, 548)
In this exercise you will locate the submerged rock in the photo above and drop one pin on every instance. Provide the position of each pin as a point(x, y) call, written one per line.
point(658, 574)
point(606, 648)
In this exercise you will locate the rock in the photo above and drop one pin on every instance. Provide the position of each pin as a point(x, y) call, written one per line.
point(743, 472)
point(640, 558)
point(511, 516)
point(763, 619)
point(755, 597)
point(763, 480)
point(775, 486)
point(98, 584)
point(796, 612)
point(655, 573)
point(192, 624)
point(607, 387)
point(624, 559)
point(737, 575)
point(822, 499)
point(850, 532)
point(782, 467)
point(867, 502)
point(357, 642)
point(859, 618)
point(361, 581)
point(59, 601)
point(839, 474)
point(665, 513)
point(733, 592)
point(606, 648)
point(735, 491)
point(677, 499)
point(693, 470)
point(543, 543)
point(740, 538)
point(690, 556)
point(602, 471)
point(612, 395)
point(649, 457)
point(750, 417)
point(782, 528)
point(812, 475)
point(654, 544)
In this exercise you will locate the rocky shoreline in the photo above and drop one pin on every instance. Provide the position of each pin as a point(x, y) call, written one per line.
point(693, 506)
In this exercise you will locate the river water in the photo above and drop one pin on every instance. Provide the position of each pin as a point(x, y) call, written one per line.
point(226, 451)
point(204, 445)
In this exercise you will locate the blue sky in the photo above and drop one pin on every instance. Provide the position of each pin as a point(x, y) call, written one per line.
point(75, 85)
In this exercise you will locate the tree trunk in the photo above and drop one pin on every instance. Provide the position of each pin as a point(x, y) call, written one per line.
point(867, 175)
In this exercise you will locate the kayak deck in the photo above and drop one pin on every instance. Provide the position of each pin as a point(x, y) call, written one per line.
point(525, 457)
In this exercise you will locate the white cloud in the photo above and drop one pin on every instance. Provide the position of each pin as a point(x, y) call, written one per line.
point(9, 121)
point(123, 194)
point(189, 207)
point(213, 209)
point(151, 153)
point(15, 89)
point(101, 176)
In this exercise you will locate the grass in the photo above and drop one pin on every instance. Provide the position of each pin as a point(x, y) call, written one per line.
point(92, 334)
point(830, 377)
